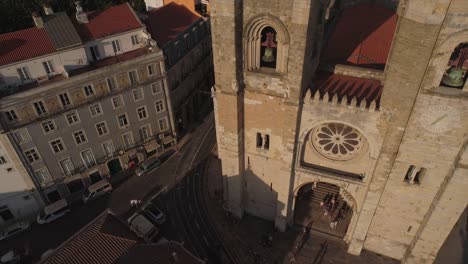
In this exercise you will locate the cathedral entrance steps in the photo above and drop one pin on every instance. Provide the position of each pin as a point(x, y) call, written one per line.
point(308, 210)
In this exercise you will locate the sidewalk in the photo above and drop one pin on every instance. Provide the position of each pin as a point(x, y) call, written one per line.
point(243, 238)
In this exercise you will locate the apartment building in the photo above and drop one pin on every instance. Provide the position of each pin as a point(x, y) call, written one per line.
point(82, 97)
point(185, 40)
point(19, 199)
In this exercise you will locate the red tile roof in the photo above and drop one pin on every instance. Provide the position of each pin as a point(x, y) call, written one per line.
point(113, 20)
point(102, 241)
point(362, 36)
point(24, 44)
point(342, 85)
point(166, 22)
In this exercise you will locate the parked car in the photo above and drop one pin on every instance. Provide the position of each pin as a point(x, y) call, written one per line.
point(142, 227)
point(14, 229)
point(53, 212)
point(147, 165)
point(154, 214)
point(96, 190)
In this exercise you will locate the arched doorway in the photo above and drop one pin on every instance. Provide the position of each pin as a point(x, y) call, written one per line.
point(321, 207)
point(114, 166)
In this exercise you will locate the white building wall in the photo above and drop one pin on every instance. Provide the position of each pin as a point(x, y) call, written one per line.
point(17, 192)
point(105, 48)
point(66, 60)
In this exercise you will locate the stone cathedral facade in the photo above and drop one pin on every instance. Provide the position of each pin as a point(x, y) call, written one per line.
point(366, 101)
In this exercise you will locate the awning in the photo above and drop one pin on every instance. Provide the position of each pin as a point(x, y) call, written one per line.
point(151, 146)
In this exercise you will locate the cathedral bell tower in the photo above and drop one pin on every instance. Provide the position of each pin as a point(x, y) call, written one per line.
point(262, 48)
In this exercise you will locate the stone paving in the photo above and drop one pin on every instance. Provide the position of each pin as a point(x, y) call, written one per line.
point(244, 238)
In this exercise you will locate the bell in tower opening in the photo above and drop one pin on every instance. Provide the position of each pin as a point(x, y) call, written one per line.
point(456, 73)
point(268, 48)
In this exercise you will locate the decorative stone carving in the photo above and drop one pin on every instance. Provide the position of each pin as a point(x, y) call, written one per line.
point(337, 141)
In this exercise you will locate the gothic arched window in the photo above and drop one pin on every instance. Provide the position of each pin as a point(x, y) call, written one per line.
point(456, 71)
point(268, 49)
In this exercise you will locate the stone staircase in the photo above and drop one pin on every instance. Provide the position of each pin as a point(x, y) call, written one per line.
point(321, 223)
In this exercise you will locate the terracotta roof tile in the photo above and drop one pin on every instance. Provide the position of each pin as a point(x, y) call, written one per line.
point(362, 36)
point(342, 85)
point(168, 21)
point(104, 234)
point(24, 44)
point(113, 20)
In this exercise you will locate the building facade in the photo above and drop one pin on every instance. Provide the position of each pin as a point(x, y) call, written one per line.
point(359, 102)
point(86, 104)
point(186, 45)
point(19, 199)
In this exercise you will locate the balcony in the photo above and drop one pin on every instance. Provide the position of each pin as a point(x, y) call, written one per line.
point(109, 61)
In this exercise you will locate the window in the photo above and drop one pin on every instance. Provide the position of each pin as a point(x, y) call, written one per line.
point(23, 73)
point(259, 140)
point(117, 102)
point(116, 46)
point(95, 110)
point(163, 124)
point(111, 84)
point(48, 67)
point(108, 147)
point(48, 126)
point(135, 40)
point(141, 111)
point(5, 213)
point(151, 69)
point(123, 121)
point(102, 128)
point(2, 160)
point(457, 68)
point(74, 186)
point(138, 94)
point(40, 108)
point(414, 175)
point(67, 166)
point(57, 145)
point(64, 99)
point(94, 53)
point(156, 88)
point(21, 136)
point(127, 140)
point(43, 176)
point(159, 106)
point(88, 158)
point(80, 137)
point(266, 145)
point(11, 115)
point(145, 132)
point(88, 90)
point(72, 118)
point(31, 155)
point(133, 78)
point(268, 48)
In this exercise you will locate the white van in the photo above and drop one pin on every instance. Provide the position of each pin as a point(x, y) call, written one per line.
point(142, 227)
point(96, 190)
point(53, 211)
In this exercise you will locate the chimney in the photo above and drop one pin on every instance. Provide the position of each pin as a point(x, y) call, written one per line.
point(81, 16)
point(48, 8)
point(153, 4)
point(37, 20)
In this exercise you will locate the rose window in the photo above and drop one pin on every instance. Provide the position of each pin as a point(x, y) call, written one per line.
point(337, 141)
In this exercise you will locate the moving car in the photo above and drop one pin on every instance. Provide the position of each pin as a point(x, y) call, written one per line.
point(53, 212)
point(154, 214)
point(147, 165)
point(96, 190)
point(14, 229)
